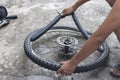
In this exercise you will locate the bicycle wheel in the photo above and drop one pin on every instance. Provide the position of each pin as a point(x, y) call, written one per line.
point(46, 52)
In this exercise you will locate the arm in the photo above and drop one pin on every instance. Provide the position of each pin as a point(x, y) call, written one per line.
point(79, 3)
point(72, 8)
point(111, 23)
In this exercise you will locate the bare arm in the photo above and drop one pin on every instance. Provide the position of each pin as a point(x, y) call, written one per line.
point(111, 23)
point(72, 8)
point(79, 3)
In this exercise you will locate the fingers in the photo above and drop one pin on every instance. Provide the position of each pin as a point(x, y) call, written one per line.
point(65, 69)
point(65, 12)
point(60, 71)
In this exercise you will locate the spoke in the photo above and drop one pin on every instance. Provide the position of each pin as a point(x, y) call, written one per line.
point(48, 49)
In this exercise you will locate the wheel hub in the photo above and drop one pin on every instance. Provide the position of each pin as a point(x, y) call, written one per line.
point(67, 43)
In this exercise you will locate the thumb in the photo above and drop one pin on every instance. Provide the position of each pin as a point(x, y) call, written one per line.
point(63, 62)
point(63, 14)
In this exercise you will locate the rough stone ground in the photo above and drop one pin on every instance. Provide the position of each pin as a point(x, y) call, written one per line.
point(33, 14)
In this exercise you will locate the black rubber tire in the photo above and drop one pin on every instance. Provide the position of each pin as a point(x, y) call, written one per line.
point(3, 12)
point(55, 66)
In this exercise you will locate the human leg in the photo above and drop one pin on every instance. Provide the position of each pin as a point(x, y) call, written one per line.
point(115, 71)
point(117, 32)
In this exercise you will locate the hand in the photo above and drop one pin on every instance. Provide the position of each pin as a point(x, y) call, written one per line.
point(67, 68)
point(67, 11)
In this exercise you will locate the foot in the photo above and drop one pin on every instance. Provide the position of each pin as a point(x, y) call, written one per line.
point(115, 71)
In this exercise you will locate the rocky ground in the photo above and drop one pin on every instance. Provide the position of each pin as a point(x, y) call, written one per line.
point(33, 14)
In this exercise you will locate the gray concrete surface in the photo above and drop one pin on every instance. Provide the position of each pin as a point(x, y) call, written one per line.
point(33, 14)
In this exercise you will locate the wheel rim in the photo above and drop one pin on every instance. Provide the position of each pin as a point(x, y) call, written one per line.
point(83, 67)
point(48, 49)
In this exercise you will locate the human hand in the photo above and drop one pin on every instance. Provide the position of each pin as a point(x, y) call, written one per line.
point(67, 11)
point(67, 68)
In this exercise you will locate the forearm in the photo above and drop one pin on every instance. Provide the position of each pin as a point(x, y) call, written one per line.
point(78, 3)
point(111, 23)
point(90, 46)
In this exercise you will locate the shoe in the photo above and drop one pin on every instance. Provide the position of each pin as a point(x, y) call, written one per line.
point(115, 71)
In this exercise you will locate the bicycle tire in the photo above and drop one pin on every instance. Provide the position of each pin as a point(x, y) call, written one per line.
point(55, 66)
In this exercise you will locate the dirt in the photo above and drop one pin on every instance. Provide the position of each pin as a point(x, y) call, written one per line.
point(34, 14)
